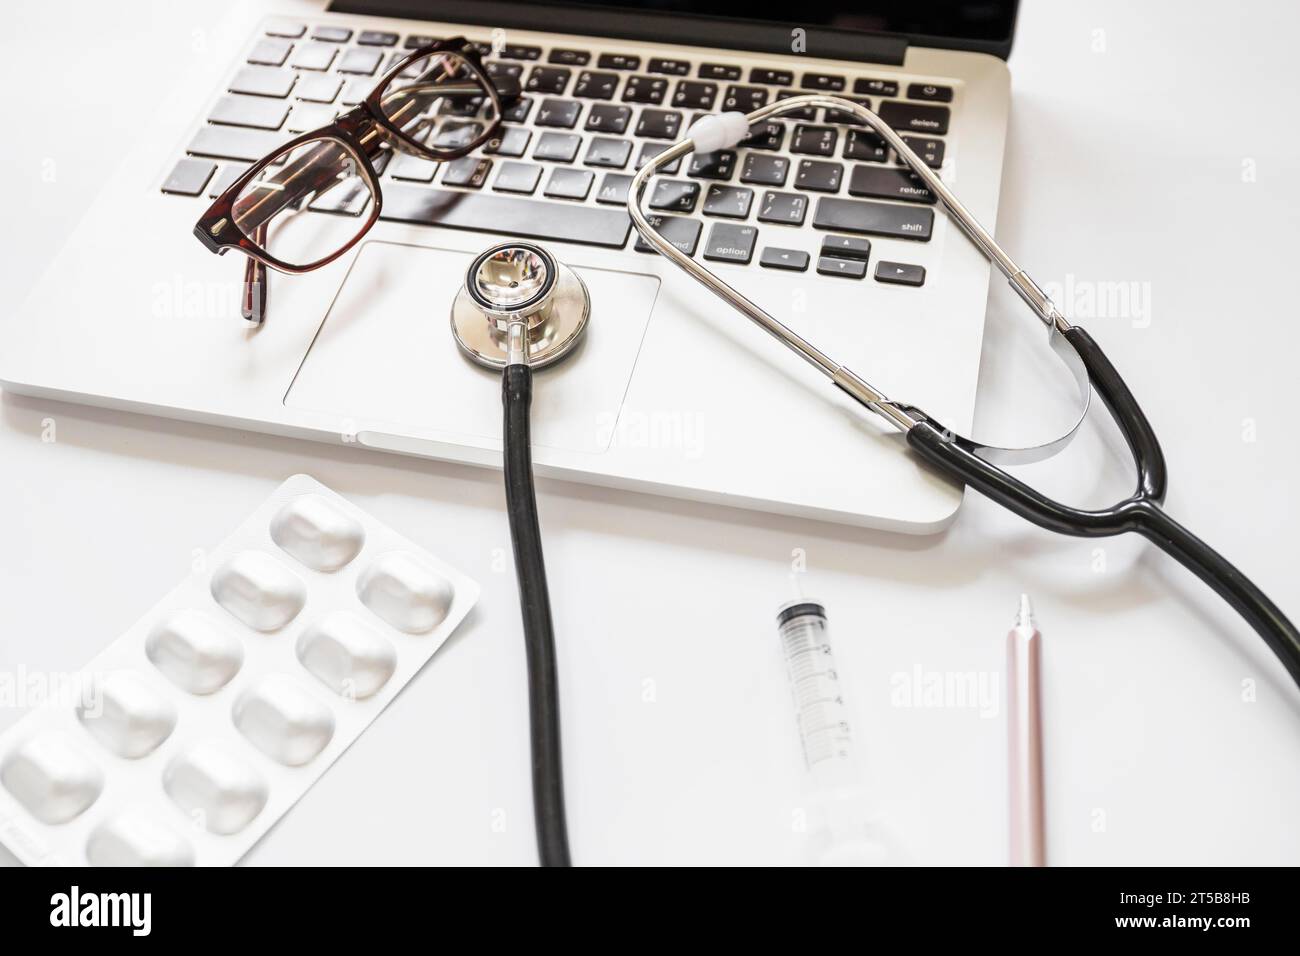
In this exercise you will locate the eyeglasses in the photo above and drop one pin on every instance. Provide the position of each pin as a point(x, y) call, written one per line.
point(437, 103)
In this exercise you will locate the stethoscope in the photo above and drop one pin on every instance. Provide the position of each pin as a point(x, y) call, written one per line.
point(519, 288)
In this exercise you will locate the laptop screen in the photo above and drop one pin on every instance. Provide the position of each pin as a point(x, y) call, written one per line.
point(872, 30)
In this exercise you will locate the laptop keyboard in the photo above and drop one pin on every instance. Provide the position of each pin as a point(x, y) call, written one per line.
point(561, 167)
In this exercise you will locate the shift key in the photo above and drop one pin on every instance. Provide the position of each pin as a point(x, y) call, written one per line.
point(874, 218)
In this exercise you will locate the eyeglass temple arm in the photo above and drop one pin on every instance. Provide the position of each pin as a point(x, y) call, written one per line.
point(256, 288)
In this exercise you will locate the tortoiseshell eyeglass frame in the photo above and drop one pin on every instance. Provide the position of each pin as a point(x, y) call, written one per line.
point(361, 131)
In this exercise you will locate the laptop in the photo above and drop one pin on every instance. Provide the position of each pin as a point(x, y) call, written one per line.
point(671, 393)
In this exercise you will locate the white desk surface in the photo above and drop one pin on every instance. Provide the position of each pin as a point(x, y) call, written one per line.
point(1149, 144)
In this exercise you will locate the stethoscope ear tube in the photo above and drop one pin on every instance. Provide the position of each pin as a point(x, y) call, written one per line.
point(967, 461)
point(1141, 513)
point(1124, 408)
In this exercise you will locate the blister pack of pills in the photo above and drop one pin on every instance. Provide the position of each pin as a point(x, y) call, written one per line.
point(197, 729)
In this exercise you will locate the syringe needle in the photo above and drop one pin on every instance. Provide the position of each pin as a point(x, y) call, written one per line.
point(1025, 741)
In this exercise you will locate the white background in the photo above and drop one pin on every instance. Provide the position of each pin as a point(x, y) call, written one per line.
point(1150, 143)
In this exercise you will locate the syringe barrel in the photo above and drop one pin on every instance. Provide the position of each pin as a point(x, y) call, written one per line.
point(822, 715)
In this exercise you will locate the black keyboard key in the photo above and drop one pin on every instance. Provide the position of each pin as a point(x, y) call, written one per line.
point(645, 89)
point(914, 118)
point(822, 82)
point(569, 57)
point(930, 150)
point(548, 79)
point(225, 178)
point(595, 85)
point(844, 117)
point(613, 189)
point(376, 38)
point(332, 34)
point(864, 144)
point(412, 168)
point(682, 233)
point(886, 182)
point(257, 112)
point(744, 99)
point(189, 176)
point(469, 171)
point(847, 247)
point(559, 113)
point(769, 134)
point(875, 87)
point(804, 112)
point(651, 150)
point(717, 165)
point(618, 61)
point(314, 56)
point(771, 77)
point(360, 61)
point(569, 184)
point(874, 218)
point(270, 52)
point(234, 142)
point(417, 40)
point(307, 117)
point(731, 243)
point(728, 202)
point(263, 81)
point(608, 118)
point(718, 71)
point(900, 273)
point(315, 88)
point(357, 90)
point(760, 170)
point(558, 147)
point(511, 141)
point(517, 178)
point(519, 112)
point(674, 195)
point(788, 209)
point(352, 200)
point(928, 91)
point(456, 135)
point(691, 95)
point(659, 124)
point(607, 152)
point(290, 30)
point(847, 268)
point(791, 260)
point(496, 69)
point(814, 140)
point(670, 67)
point(818, 176)
point(517, 51)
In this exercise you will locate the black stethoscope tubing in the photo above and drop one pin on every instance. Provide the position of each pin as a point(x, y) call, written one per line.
point(961, 458)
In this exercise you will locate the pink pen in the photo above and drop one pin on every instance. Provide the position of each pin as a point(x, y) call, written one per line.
point(1025, 740)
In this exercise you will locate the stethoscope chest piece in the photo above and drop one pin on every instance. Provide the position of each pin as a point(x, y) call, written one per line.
point(513, 281)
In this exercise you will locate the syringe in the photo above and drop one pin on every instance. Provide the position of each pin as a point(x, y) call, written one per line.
point(848, 833)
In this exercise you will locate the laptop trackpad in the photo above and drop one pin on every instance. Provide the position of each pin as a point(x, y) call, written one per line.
point(385, 353)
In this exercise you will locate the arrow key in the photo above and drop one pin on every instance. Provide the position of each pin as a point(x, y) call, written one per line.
point(900, 273)
point(848, 268)
point(792, 260)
